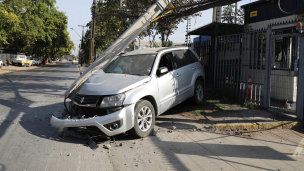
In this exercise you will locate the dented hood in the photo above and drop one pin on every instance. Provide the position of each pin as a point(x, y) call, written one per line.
point(109, 83)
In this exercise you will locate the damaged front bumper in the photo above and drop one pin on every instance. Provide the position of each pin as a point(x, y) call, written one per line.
point(121, 121)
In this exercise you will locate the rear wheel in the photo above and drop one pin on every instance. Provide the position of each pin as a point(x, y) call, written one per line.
point(198, 92)
point(144, 119)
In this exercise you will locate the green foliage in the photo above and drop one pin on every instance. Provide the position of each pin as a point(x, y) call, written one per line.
point(167, 44)
point(35, 27)
point(155, 44)
point(228, 15)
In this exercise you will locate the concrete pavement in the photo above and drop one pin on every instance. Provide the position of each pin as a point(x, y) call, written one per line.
point(28, 142)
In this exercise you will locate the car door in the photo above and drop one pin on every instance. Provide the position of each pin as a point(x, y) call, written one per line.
point(183, 74)
point(166, 83)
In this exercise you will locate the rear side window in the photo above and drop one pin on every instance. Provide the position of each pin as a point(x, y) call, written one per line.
point(190, 55)
point(181, 59)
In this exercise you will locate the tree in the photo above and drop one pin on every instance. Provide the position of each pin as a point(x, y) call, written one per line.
point(35, 27)
point(228, 15)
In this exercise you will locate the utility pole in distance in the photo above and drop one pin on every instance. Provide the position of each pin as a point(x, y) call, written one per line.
point(92, 31)
point(82, 39)
point(82, 32)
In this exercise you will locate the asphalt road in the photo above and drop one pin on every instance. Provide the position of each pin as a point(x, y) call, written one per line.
point(28, 142)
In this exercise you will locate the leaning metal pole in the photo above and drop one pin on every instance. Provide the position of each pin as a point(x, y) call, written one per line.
point(118, 46)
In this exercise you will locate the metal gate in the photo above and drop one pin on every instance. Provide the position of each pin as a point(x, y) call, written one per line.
point(239, 64)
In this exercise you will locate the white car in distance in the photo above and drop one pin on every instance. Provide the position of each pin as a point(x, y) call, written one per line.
point(1, 63)
point(74, 61)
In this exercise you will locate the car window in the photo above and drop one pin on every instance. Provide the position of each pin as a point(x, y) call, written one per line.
point(180, 58)
point(190, 56)
point(166, 61)
point(133, 65)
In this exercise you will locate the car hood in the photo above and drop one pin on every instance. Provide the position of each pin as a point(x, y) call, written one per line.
point(101, 83)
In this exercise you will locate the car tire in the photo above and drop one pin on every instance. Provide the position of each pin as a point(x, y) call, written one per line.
point(144, 119)
point(198, 97)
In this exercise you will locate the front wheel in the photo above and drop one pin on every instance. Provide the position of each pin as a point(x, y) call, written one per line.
point(198, 92)
point(144, 119)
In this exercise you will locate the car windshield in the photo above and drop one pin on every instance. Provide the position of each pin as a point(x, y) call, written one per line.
point(133, 65)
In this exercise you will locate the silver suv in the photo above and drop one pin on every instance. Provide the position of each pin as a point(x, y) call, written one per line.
point(133, 89)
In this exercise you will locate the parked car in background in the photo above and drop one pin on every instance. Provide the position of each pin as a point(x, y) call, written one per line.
point(36, 61)
point(29, 61)
point(132, 90)
point(19, 59)
point(1, 63)
point(74, 61)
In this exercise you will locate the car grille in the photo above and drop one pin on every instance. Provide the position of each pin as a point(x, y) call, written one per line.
point(91, 112)
point(86, 99)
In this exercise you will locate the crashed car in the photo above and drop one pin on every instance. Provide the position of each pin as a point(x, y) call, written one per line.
point(133, 89)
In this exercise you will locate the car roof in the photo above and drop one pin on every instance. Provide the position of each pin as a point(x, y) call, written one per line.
point(152, 50)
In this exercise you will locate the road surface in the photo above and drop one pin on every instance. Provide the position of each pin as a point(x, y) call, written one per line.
point(28, 142)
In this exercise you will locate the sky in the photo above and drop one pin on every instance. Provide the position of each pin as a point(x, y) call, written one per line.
point(79, 13)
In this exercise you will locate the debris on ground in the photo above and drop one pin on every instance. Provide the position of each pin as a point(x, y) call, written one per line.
point(174, 127)
point(154, 132)
point(69, 154)
point(108, 146)
point(91, 143)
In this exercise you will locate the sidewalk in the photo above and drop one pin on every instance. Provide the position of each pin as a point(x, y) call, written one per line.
point(224, 114)
point(12, 68)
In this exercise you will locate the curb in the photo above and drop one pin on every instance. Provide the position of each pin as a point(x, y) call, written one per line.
point(259, 125)
point(9, 71)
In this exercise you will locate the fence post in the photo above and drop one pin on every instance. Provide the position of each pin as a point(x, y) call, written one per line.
point(300, 87)
point(215, 55)
point(267, 69)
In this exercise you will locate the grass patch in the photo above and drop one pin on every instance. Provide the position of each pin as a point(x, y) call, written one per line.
point(214, 101)
point(198, 112)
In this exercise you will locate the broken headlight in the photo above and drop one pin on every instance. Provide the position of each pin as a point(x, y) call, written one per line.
point(113, 101)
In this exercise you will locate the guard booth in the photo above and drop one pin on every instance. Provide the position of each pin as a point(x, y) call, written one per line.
point(262, 63)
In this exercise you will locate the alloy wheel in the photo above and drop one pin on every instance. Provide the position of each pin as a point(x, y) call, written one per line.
point(144, 118)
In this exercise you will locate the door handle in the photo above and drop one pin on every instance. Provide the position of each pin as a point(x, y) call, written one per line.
point(178, 74)
point(194, 68)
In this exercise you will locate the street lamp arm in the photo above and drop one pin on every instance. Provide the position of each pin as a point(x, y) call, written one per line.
point(76, 32)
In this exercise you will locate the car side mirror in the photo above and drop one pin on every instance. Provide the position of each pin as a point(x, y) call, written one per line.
point(162, 70)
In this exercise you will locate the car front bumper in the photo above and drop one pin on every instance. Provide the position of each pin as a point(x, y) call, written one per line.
point(125, 116)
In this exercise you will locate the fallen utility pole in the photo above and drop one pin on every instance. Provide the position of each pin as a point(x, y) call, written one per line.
point(118, 46)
